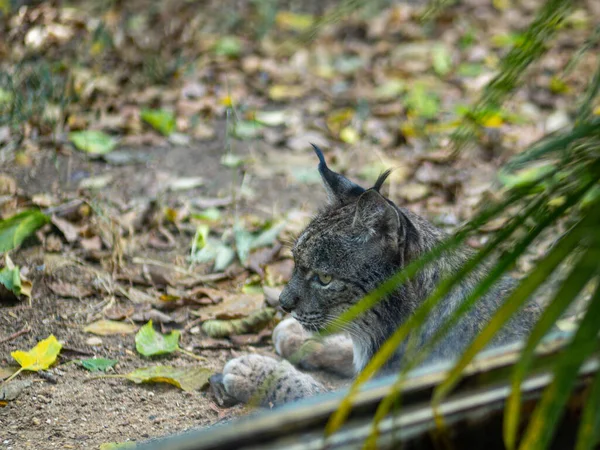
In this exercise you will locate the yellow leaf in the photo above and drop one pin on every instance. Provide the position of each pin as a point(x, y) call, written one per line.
point(282, 92)
point(108, 327)
point(226, 101)
point(492, 121)
point(39, 357)
point(597, 111)
point(339, 119)
point(349, 135)
point(294, 22)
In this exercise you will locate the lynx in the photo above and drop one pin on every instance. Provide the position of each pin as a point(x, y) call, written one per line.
point(355, 243)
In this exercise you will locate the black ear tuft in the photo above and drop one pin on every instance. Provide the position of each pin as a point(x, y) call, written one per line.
point(339, 189)
point(381, 179)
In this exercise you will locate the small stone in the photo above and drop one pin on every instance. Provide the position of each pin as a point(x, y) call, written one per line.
point(94, 341)
point(556, 121)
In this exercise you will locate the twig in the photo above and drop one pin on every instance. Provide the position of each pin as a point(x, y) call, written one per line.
point(15, 335)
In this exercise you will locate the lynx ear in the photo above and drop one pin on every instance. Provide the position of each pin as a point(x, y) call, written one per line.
point(339, 188)
point(375, 216)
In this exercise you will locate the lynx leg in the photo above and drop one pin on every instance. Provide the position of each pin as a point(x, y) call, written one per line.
point(266, 381)
point(333, 354)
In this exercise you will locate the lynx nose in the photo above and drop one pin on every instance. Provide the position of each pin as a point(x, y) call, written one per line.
point(288, 302)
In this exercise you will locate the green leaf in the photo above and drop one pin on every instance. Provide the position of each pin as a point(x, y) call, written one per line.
point(149, 342)
point(588, 435)
point(93, 142)
point(441, 59)
point(271, 118)
point(206, 249)
point(527, 177)
point(368, 301)
point(581, 273)
point(511, 305)
point(246, 241)
point(542, 423)
point(11, 279)
point(98, 364)
point(228, 46)
point(15, 229)
point(223, 257)
point(209, 214)
point(421, 102)
point(247, 129)
point(161, 120)
point(446, 285)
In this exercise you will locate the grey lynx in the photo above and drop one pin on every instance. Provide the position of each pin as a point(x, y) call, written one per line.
point(355, 243)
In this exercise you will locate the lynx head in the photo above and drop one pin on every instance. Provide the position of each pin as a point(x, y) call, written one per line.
point(350, 247)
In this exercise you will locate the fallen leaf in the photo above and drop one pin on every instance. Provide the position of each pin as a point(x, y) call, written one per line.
point(271, 118)
point(95, 183)
point(233, 306)
point(98, 364)
point(7, 371)
point(292, 21)
point(8, 185)
point(68, 230)
point(228, 46)
point(246, 129)
point(161, 120)
point(224, 328)
point(186, 378)
point(40, 357)
point(110, 327)
point(93, 142)
point(280, 92)
point(149, 342)
point(153, 315)
point(10, 391)
point(185, 183)
point(15, 229)
point(413, 191)
point(69, 290)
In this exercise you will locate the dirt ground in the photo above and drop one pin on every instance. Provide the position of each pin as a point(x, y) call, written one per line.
point(379, 92)
point(72, 410)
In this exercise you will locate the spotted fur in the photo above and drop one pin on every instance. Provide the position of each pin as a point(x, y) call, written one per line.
point(358, 241)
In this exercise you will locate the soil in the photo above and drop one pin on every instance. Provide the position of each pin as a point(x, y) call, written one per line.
point(71, 409)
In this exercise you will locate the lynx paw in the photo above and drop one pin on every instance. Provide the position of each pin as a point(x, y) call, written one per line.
point(333, 354)
point(256, 378)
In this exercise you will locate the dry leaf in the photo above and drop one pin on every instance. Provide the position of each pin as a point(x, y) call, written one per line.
point(110, 327)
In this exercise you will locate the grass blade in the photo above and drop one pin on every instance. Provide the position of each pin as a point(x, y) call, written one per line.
point(553, 143)
point(413, 268)
point(543, 421)
point(512, 304)
point(588, 435)
point(498, 270)
point(582, 272)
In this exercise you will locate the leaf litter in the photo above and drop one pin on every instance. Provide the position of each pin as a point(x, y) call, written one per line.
point(371, 102)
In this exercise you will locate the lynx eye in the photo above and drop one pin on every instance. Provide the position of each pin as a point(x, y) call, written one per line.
point(323, 279)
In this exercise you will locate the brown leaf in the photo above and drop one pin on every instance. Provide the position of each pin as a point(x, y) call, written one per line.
point(8, 185)
point(119, 312)
point(68, 230)
point(279, 272)
point(152, 314)
point(234, 306)
point(92, 244)
point(69, 290)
